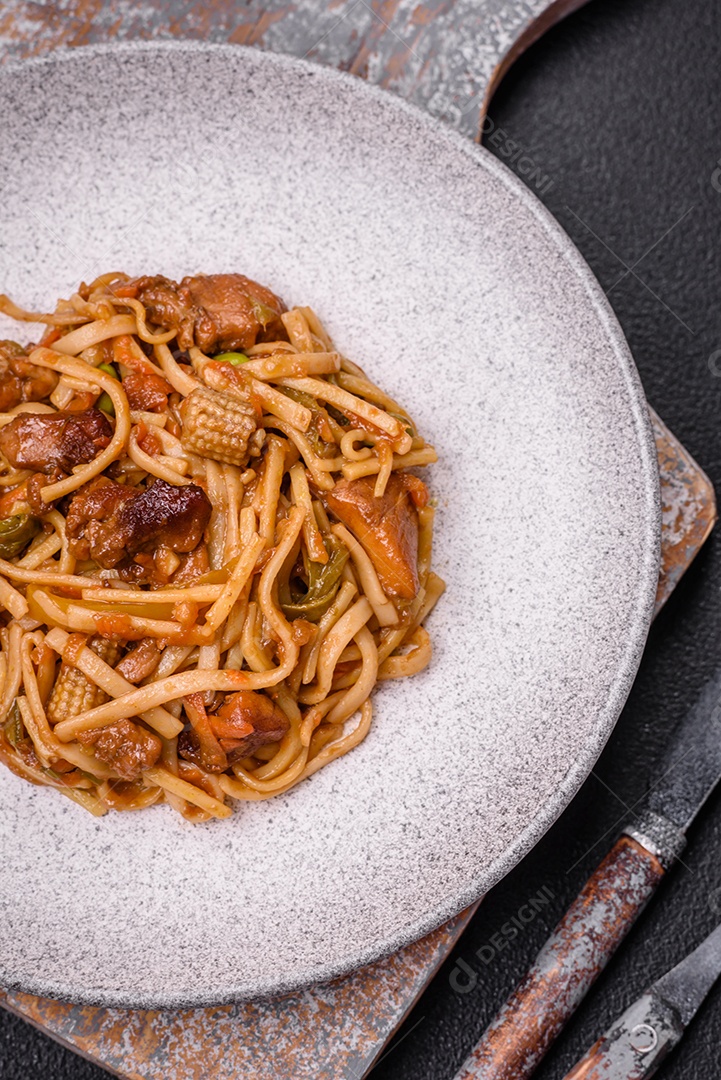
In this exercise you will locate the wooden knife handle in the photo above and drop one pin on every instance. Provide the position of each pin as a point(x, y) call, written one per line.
point(569, 963)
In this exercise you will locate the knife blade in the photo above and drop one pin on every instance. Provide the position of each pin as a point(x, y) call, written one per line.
point(641, 1038)
point(609, 903)
point(691, 765)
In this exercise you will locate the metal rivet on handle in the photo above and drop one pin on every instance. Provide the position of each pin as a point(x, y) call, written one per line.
point(644, 1038)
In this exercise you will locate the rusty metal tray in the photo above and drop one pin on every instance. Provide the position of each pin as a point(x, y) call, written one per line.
point(447, 57)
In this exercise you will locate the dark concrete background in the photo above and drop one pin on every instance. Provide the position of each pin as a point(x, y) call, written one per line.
point(619, 107)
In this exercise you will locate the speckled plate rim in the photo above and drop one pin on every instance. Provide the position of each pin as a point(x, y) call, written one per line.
point(608, 713)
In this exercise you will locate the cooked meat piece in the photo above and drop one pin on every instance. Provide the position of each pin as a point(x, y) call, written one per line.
point(201, 743)
point(164, 307)
point(189, 749)
point(35, 485)
point(243, 711)
point(47, 441)
point(246, 721)
point(124, 794)
point(11, 389)
point(234, 311)
point(20, 380)
point(214, 311)
point(147, 392)
point(148, 439)
point(126, 747)
point(88, 517)
point(386, 527)
point(192, 566)
point(108, 521)
point(175, 517)
point(140, 661)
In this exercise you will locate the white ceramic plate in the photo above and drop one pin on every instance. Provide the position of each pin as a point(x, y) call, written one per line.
point(436, 270)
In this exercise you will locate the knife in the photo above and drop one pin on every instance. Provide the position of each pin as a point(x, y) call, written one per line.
point(609, 903)
point(642, 1038)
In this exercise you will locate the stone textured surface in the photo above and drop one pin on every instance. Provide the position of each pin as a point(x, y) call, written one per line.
point(444, 55)
point(619, 108)
point(331, 1031)
point(404, 237)
point(348, 1023)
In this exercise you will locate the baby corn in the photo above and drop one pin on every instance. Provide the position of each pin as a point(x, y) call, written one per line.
point(73, 692)
point(217, 426)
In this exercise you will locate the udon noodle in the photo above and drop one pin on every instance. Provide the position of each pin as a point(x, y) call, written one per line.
point(212, 547)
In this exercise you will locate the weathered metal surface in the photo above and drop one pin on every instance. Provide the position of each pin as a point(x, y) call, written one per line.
point(690, 768)
point(447, 57)
point(332, 1032)
point(657, 834)
point(574, 955)
point(640, 1040)
point(687, 985)
point(635, 1045)
point(689, 508)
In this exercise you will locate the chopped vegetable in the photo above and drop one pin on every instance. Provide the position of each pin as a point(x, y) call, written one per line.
point(73, 692)
point(217, 426)
point(105, 402)
point(323, 584)
point(14, 728)
point(151, 610)
point(264, 313)
point(300, 396)
point(406, 422)
point(318, 443)
point(16, 533)
point(338, 416)
point(234, 358)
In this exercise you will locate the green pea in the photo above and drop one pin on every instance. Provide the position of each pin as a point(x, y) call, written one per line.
point(234, 358)
point(105, 402)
